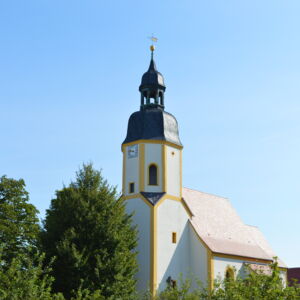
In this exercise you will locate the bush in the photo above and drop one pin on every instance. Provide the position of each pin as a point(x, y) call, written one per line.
point(255, 286)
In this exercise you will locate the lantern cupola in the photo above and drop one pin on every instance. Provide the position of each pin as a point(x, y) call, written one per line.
point(152, 87)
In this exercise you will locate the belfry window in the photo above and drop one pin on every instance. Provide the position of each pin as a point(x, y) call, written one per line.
point(153, 174)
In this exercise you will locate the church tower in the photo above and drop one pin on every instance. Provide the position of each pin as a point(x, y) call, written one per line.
point(152, 184)
point(181, 231)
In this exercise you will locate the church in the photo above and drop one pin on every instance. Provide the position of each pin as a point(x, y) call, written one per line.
point(180, 230)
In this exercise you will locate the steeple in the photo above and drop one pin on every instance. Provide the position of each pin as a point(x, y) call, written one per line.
point(152, 180)
point(152, 87)
point(152, 122)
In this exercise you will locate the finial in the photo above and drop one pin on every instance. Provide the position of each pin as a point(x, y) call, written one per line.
point(152, 47)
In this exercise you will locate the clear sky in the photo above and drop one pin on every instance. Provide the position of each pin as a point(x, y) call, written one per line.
point(69, 77)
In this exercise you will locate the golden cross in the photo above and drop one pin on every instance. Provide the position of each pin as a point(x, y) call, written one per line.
point(154, 40)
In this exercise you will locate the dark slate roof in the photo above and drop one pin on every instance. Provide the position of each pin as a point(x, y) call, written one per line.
point(152, 124)
point(153, 198)
point(152, 78)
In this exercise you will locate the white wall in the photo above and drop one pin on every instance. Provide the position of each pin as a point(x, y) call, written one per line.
point(131, 171)
point(172, 259)
point(142, 219)
point(198, 260)
point(153, 154)
point(173, 171)
point(221, 264)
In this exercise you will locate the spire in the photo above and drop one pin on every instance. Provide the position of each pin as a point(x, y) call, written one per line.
point(152, 66)
point(152, 86)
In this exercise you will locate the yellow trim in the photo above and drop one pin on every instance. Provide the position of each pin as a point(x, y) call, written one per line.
point(154, 251)
point(212, 272)
point(164, 167)
point(245, 258)
point(124, 168)
point(187, 208)
point(199, 238)
point(180, 153)
point(157, 173)
point(137, 196)
point(166, 196)
point(210, 269)
point(129, 183)
point(142, 167)
point(132, 196)
point(171, 197)
point(152, 142)
point(153, 246)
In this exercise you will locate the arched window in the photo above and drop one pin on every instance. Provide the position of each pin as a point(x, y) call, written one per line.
point(153, 174)
point(229, 275)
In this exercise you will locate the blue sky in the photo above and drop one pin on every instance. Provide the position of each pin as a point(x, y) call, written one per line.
point(69, 76)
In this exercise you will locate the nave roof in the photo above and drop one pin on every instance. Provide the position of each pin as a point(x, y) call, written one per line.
point(222, 230)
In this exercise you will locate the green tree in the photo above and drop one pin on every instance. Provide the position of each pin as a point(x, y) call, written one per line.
point(19, 224)
point(25, 277)
point(87, 230)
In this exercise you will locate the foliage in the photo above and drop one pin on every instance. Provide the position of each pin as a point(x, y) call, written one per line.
point(255, 286)
point(87, 230)
point(25, 277)
point(19, 226)
point(85, 294)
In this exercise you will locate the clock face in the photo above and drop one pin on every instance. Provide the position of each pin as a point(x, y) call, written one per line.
point(133, 151)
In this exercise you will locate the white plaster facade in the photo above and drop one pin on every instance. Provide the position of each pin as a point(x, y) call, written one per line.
point(142, 218)
point(198, 259)
point(173, 259)
point(221, 264)
point(194, 219)
point(173, 169)
point(131, 171)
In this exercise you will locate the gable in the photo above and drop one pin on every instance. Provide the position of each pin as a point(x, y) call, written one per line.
point(222, 230)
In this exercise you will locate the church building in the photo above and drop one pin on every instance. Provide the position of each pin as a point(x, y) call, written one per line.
point(180, 230)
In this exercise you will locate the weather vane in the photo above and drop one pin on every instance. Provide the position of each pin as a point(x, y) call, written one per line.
point(154, 40)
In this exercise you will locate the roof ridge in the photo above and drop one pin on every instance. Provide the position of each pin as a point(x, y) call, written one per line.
point(251, 225)
point(206, 193)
